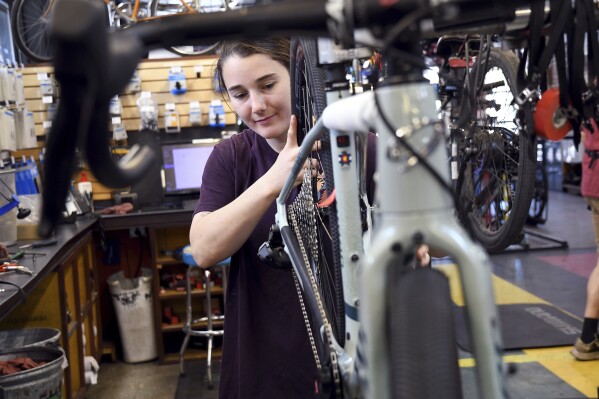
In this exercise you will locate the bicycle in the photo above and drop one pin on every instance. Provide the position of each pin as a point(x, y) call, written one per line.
point(389, 309)
point(491, 140)
point(31, 19)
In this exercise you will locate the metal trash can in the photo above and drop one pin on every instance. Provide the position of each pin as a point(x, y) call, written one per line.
point(43, 382)
point(26, 337)
point(133, 303)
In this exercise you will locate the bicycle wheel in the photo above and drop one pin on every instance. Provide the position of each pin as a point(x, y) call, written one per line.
point(497, 160)
point(308, 103)
point(30, 22)
point(160, 8)
point(424, 356)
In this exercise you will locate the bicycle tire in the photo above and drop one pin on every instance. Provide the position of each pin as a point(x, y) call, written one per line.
point(496, 179)
point(158, 11)
point(308, 103)
point(30, 23)
point(423, 349)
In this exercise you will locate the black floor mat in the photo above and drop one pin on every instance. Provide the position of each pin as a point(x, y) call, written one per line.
point(526, 326)
point(194, 384)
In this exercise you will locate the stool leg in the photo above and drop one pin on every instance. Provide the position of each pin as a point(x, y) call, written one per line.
point(188, 319)
point(209, 316)
point(182, 354)
point(209, 363)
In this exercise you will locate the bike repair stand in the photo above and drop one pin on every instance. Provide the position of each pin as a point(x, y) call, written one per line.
point(525, 244)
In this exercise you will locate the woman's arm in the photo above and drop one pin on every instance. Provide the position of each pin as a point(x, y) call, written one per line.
point(217, 235)
point(214, 236)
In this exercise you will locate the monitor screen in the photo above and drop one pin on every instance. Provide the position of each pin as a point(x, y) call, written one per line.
point(183, 166)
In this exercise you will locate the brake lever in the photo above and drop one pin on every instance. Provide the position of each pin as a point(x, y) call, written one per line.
point(91, 67)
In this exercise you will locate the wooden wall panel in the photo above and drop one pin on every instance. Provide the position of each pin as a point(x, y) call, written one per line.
point(153, 75)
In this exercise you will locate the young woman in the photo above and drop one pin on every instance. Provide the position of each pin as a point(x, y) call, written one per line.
point(266, 351)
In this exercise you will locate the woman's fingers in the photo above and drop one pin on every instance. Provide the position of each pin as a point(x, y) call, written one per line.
point(423, 256)
point(292, 132)
point(316, 146)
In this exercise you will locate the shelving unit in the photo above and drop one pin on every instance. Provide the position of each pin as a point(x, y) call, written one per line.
point(170, 336)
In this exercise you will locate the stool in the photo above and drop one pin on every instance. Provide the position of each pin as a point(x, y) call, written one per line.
point(188, 329)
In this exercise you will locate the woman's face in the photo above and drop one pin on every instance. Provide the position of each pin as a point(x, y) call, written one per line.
point(260, 93)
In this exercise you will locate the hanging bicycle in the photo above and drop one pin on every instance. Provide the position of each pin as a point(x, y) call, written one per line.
point(491, 143)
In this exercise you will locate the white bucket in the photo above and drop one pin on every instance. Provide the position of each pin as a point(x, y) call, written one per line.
point(133, 303)
point(8, 221)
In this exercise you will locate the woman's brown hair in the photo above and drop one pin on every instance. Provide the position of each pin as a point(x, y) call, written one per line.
point(275, 48)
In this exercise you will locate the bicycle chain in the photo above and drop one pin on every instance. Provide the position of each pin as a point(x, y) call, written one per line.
point(326, 324)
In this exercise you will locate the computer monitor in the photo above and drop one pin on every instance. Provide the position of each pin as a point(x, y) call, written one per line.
point(183, 166)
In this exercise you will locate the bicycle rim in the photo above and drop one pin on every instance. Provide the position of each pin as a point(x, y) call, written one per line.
point(497, 171)
point(308, 103)
point(163, 8)
point(30, 21)
point(423, 350)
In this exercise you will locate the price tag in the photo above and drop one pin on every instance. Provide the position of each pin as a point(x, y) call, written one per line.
point(116, 120)
point(41, 76)
point(47, 124)
point(198, 69)
point(47, 99)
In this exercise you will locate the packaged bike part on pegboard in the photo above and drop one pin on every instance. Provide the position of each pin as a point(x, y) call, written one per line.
point(134, 85)
point(171, 119)
point(195, 113)
point(148, 112)
point(118, 129)
point(176, 81)
point(115, 106)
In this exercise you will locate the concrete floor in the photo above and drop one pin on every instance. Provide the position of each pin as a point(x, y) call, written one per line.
point(553, 275)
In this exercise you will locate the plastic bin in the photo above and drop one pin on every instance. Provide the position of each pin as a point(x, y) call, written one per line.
point(133, 303)
point(23, 338)
point(43, 382)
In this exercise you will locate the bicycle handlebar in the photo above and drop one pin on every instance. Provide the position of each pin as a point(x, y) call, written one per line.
point(92, 66)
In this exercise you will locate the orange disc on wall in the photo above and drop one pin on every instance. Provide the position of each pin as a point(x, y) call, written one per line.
point(550, 121)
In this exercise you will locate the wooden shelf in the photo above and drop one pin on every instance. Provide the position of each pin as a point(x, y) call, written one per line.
point(173, 294)
point(192, 354)
point(179, 326)
point(168, 260)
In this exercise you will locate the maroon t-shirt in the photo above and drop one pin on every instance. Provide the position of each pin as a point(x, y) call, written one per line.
point(266, 351)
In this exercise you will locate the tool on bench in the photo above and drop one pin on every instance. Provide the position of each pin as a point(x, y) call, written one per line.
point(13, 267)
point(38, 244)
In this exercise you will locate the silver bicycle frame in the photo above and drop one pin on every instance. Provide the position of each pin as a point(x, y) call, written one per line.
point(407, 203)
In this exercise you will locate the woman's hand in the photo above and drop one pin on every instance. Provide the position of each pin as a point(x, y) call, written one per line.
point(279, 172)
point(423, 258)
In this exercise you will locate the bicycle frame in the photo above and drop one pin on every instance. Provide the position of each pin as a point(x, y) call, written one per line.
point(404, 209)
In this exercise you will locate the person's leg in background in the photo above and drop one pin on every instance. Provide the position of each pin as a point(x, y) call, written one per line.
point(587, 345)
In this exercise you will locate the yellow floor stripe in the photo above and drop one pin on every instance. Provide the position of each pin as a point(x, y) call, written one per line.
point(583, 376)
point(505, 292)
